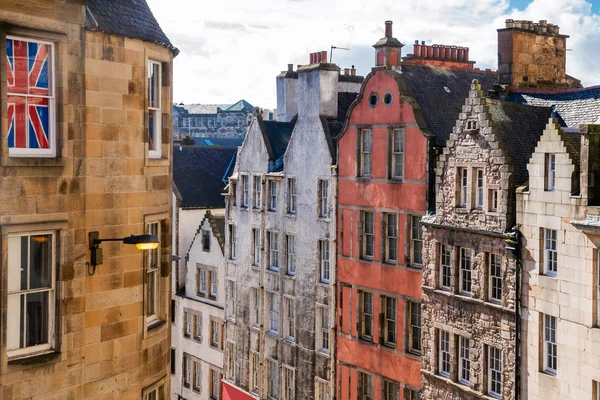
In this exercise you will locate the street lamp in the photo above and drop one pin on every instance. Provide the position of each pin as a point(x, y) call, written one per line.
point(142, 242)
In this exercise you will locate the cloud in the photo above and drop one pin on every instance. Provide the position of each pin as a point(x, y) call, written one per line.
point(232, 50)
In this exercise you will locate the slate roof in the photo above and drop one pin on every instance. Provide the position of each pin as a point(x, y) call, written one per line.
point(278, 135)
point(441, 107)
point(241, 105)
point(217, 142)
point(129, 18)
point(198, 173)
point(519, 128)
point(574, 106)
point(333, 126)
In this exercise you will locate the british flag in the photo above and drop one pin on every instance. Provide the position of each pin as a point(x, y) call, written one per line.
point(28, 81)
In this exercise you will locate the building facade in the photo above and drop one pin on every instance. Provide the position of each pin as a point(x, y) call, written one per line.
point(85, 147)
point(222, 121)
point(280, 238)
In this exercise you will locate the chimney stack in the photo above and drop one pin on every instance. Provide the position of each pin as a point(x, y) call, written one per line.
point(439, 55)
point(388, 29)
point(388, 49)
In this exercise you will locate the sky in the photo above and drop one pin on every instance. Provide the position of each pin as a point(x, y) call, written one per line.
point(234, 49)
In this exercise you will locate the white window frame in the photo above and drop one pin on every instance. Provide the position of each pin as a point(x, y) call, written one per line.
point(322, 389)
point(289, 383)
point(256, 237)
point(272, 381)
point(325, 261)
point(416, 241)
point(232, 299)
point(213, 281)
point(445, 267)
point(215, 384)
point(272, 195)
point(466, 274)
point(153, 276)
point(495, 278)
point(155, 111)
point(256, 306)
point(187, 316)
point(462, 181)
point(198, 327)
point(550, 172)
point(479, 183)
point(550, 252)
point(293, 196)
point(197, 375)
point(494, 372)
point(415, 324)
point(215, 334)
point(273, 313)
point(290, 319)
point(291, 254)
point(366, 145)
point(368, 235)
point(550, 344)
point(390, 320)
point(232, 242)
point(13, 329)
point(273, 251)
point(202, 282)
point(464, 360)
point(256, 192)
point(323, 198)
point(245, 191)
point(444, 354)
point(391, 238)
point(52, 123)
point(493, 200)
point(398, 136)
point(254, 372)
point(323, 336)
point(187, 373)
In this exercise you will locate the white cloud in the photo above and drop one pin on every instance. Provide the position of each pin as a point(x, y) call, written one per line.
point(234, 49)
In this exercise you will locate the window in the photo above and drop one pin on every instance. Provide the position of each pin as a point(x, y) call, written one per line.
point(291, 254)
point(323, 198)
point(202, 282)
point(229, 361)
point(197, 381)
point(273, 313)
point(187, 371)
point(232, 299)
point(197, 327)
point(173, 365)
point(212, 277)
point(365, 317)
point(256, 306)
point(173, 306)
point(444, 354)
point(215, 384)
point(271, 379)
point(215, 336)
point(322, 389)
point(323, 333)
point(550, 172)
point(232, 242)
point(154, 109)
point(493, 200)
point(494, 372)
point(368, 235)
point(478, 189)
point(416, 238)
point(495, 277)
point(445, 266)
point(324, 255)
point(550, 253)
point(187, 330)
point(390, 390)
point(256, 191)
point(292, 195)
point(365, 153)
point(153, 275)
point(411, 394)
point(397, 157)
point(273, 251)
point(245, 191)
point(389, 305)
point(471, 125)
point(391, 238)
point(256, 247)
point(30, 98)
point(550, 346)
point(462, 187)
point(289, 392)
point(234, 193)
point(254, 370)
point(272, 195)
point(31, 295)
point(155, 394)
point(205, 240)
point(465, 271)
point(290, 319)
point(464, 361)
point(365, 386)
point(414, 333)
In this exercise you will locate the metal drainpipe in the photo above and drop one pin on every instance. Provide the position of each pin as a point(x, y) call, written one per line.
point(333, 284)
point(518, 319)
point(263, 266)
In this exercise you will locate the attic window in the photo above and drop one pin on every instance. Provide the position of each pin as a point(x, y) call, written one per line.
point(387, 99)
point(373, 99)
point(471, 125)
point(206, 240)
point(447, 89)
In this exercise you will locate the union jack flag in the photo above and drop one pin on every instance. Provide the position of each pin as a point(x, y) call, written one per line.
point(28, 81)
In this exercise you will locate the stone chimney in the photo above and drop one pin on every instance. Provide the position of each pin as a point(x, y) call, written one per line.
point(388, 50)
point(317, 87)
point(533, 55)
point(439, 55)
point(287, 94)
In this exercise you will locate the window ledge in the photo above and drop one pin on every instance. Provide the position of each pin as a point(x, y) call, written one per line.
point(324, 284)
point(255, 267)
point(461, 210)
point(290, 340)
point(272, 270)
point(33, 161)
point(153, 325)
point(231, 319)
point(364, 178)
point(43, 357)
point(290, 215)
point(323, 353)
point(324, 219)
point(272, 333)
point(290, 276)
point(415, 267)
point(158, 162)
point(255, 327)
point(256, 210)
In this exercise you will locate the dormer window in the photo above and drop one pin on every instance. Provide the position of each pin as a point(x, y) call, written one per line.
point(471, 125)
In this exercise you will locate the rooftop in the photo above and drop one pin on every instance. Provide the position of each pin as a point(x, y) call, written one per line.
point(186, 109)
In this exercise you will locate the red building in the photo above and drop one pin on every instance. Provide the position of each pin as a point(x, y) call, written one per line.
point(386, 161)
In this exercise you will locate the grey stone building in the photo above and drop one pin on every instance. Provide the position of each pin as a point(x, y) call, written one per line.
point(225, 121)
point(470, 282)
point(280, 241)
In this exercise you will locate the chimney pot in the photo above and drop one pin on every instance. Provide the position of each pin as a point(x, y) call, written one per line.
point(388, 29)
point(312, 58)
point(346, 71)
point(423, 42)
point(290, 67)
point(416, 42)
point(324, 56)
point(353, 71)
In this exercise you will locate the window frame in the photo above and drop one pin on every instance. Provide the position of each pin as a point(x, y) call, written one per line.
point(444, 357)
point(390, 390)
point(445, 267)
point(156, 152)
point(465, 274)
point(274, 311)
point(550, 255)
point(493, 371)
point(186, 370)
point(415, 325)
point(290, 248)
point(232, 242)
point(479, 180)
point(550, 344)
point(256, 246)
point(323, 337)
point(273, 237)
point(495, 280)
point(254, 376)
point(464, 360)
point(187, 324)
point(215, 384)
point(550, 172)
point(324, 261)
point(493, 200)
point(231, 294)
point(245, 203)
point(289, 328)
point(416, 244)
point(272, 379)
point(256, 306)
point(289, 390)
point(365, 167)
point(215, 334)
point(213, 284)
point(462, 183)
point(256, 192)
point(292, 195)
point(391, 237)
point(321, 389)
point(389, 307)
point(323, 198)
point(397, 153)
point(198, 327)
point(365, 386)
point(367, 236)
point(272, 195)
point(366, 316)
point(197, 381)
point(154, 301)
point(230, 360)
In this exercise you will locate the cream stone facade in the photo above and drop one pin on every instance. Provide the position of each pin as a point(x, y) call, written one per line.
point(69, 330)
point(558, 217)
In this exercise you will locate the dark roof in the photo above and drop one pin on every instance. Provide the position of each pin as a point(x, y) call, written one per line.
point(519, 128)
point(198, 174)
point(574, 106)
point(278, 134)
point(441, 107)
point(129, 18)
point(241, 105)
point(333, 126)
point(217, 142)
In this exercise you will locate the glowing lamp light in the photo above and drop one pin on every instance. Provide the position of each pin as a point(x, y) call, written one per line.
point(142, 242)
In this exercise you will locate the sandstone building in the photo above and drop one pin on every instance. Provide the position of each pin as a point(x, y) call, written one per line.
point(280, 232)
point(86, 88)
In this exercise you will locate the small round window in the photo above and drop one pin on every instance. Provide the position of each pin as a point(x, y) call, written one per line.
point(387, 99)
point(373, 99)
